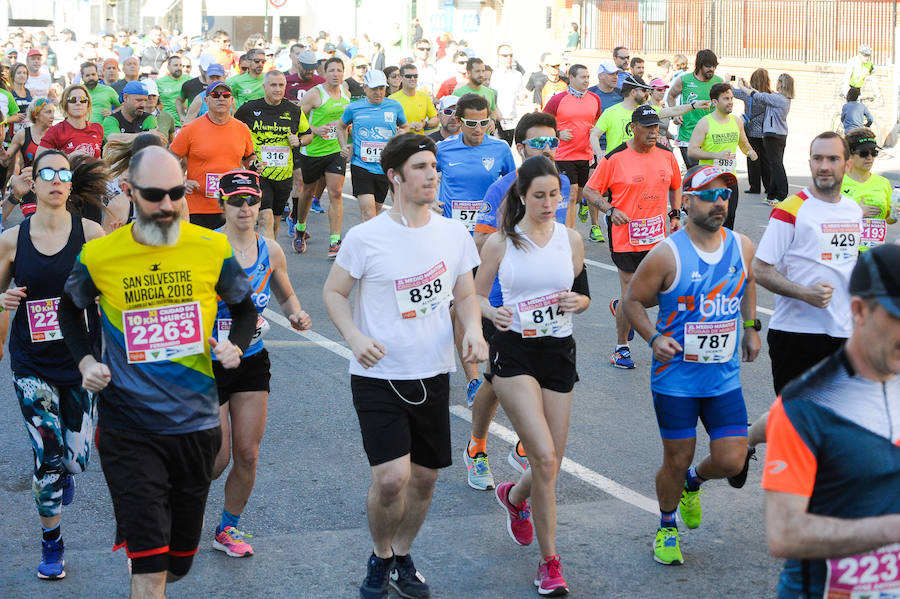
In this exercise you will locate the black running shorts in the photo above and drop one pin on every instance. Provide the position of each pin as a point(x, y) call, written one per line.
point(395, 421)
point(548, 360)
point(577, 171)
point(158, 484)
point(252, 375)
point(275, 195)
point(792, 354)
point(315, 167)
point(367, 183)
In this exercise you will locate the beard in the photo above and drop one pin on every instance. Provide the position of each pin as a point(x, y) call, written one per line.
point(154, 232)
point(711, 222)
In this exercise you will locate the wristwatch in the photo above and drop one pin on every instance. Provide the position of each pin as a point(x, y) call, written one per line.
point(755, 324)
point(609, 211)
point(674, 213)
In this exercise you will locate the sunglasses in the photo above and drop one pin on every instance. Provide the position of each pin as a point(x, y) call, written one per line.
point(505, 55)
point(410, 76)
point(866, 153)
point(462, 62)
point(539, 143)
point(424, 49)
point(448, 111)
point(472, 123)
point(623, 57)
point(220, 95)
point(78, 99)
point(47, 174)
point(237, 200)
point(363, 67)
point(711, 195)
point(156, 195)
point(258, 60)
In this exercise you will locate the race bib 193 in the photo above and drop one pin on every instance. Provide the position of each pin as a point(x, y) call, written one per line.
point(164, 333)
point(840, 241)
point(647, 231)
point(542, 316)
point(465, 212)
point(423, 294)
point(43, 322)
point(370, 151)
point(874, 230)
point(274, 156)
point(710, 342)
point(874, 575)
point(212, 184)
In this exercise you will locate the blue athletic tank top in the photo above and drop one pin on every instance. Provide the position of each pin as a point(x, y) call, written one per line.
point(259, 274)
point(36, 347)
point(702, 311)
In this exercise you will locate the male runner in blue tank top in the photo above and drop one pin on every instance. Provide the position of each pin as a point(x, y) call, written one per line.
point(702, 281)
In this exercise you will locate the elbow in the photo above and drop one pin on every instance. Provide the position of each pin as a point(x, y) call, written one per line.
point(779, 542)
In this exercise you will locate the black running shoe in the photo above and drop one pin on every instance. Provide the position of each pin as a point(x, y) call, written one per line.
point(407, 581)
point(375, 586)
point(737, 481)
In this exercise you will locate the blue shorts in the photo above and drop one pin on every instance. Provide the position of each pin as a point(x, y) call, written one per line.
point(722, 415)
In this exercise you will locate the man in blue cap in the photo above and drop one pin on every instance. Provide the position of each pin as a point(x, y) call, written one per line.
point(132, 119)
point(215, 72)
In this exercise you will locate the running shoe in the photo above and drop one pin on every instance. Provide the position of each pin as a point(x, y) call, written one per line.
point(666, 548)
point(52, 562)
point(407, 581)
point(771, 201)
point(68, 488)
point(291, 226)
point(299, 243)
point(471, 390)
point(737, 481)
point(517, 458)
point(333, 249)
point(316, 206)
point(583, 211)
point(518, 517)
point(378, 573)
point(612, 308)
point(622, 359)
point(597, 234)
point(689, 507)
point(231, 541)
point(479, 471)
point(549, 579)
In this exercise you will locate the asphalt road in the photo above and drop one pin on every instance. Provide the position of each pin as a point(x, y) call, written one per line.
point(307, 513)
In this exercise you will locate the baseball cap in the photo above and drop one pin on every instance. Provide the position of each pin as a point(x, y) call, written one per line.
point(215, 84)
point(877, 274)
point(698, 176)
point(607, 67)
point(374, 78)
point(308, 59)
point(359, 59)
point(645, 115)
point(215, 69)
point(239, 181)
point(152, 89)
point(136, 88)
point(553, 61)
point(658, 83)
point(448, 102)
point(33, 52)
point(329, 47)
point(865, 50)
point(205, 60)
point(866, 143)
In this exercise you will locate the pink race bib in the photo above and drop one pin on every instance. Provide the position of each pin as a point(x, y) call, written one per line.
point(165, 333)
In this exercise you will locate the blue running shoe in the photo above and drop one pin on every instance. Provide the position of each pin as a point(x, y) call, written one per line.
point(378, 576)
point(299, 243)
point(316, 206)
point(622, 359)
point(52, 562)
point(68, 488)
point(612, 308)
point(291, 226)
point(471, 390)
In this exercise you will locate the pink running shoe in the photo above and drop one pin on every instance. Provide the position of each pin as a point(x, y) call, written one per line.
point(518, 517)
point(231, 541)
point(549, 579)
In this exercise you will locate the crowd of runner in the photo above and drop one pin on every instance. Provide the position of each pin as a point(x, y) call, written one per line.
point(138, 331)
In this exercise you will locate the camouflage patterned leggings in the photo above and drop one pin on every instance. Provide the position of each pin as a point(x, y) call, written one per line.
point(60, 422)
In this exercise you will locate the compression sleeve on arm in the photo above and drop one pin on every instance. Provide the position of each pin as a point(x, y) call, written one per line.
point(243, 323)
point(71, 323)
point(233, 287)
point(580, 284)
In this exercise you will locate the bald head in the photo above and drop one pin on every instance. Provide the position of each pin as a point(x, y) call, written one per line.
point(155, 167)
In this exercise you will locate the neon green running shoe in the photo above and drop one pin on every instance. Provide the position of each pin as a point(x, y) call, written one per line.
point(597, 234)
point(665, 547)
point(689, 507)
point(583, 211)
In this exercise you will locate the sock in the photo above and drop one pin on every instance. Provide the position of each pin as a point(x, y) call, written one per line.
point(335, 239)
point(667, 519)
point(477, 446)
point(520, 450)
point(384, 560)
point(315, 199)
point(52, 534)
point(301, 227)
point(401, 558)
point(621, 347)
point(228, 519)
point(693, 480)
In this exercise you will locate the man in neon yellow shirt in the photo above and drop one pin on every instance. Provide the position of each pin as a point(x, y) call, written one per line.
point(858, 69)
point(417, 105)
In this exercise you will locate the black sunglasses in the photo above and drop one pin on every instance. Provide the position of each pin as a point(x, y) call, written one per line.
point(237, 200)
point(866, 153)
point(156, 195)
point(408, 76)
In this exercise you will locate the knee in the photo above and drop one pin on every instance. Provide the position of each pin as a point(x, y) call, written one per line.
point(678, 460)
point(389, 486)
point(422, 484)
point(543, 463)
point(732, 462)
point(246, 457)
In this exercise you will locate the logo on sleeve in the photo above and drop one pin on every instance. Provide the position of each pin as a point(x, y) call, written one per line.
point(776, 466)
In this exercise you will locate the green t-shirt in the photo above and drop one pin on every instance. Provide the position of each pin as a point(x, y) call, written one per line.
point(245, 87)
point(489, 94)
point(112, 125)
point(722, 137)
point(8, 104)
point(169, 90)
point(614, 122)
point(874, 191)
point(693, 89)
point(103, 97)
point(165, 124)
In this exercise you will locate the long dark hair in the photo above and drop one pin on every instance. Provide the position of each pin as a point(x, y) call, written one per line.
point(89, 178)
point(513, 208)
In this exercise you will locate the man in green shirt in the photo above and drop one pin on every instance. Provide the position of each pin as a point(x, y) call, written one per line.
point(475, 71)
point(170, 87)
point(249, 85)
point(103, 97)
point(694, 87)
point(132, 119)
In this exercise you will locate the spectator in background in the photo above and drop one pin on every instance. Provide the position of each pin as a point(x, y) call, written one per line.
point(555, 81)
point(858, 69)
point(573, 40)
point(461, 78)
point(131, 71)
point(154, 54)
point(664, 69)
point(681, 65)
point(445, 67)
point(222, 51)
point(38, 76)
point(110, 72)
point(637, 67)
point(393, 78)
point(107, 48)
point(417, 34)
point(510, 86)
point(377, 61)
point(854, 113)
point(622, 59)
point(122, 47)
point(758, 173)
point(427, 73)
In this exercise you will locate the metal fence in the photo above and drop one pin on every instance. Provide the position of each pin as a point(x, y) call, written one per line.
point(815, 31)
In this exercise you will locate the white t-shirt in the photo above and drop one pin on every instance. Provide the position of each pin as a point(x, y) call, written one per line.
point(406, 278)
point(39, 85)
point(808, 240)
point(509, 86)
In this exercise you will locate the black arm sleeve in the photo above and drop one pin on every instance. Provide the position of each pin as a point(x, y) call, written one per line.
point(580, 284)
point(71, 323)
point(243, 323)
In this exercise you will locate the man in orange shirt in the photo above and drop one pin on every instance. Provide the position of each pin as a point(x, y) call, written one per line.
point(209, 146)
point(634, 185)
point(555, 82)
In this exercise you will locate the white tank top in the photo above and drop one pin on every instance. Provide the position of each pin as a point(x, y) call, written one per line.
point(531, 277)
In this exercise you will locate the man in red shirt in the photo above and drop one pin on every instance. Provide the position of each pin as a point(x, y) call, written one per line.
point(576, 111)
point(305, 77)
point(462, 77)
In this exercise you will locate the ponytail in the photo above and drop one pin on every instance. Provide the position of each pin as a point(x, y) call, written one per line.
point(512, 211)
point(89, 178)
